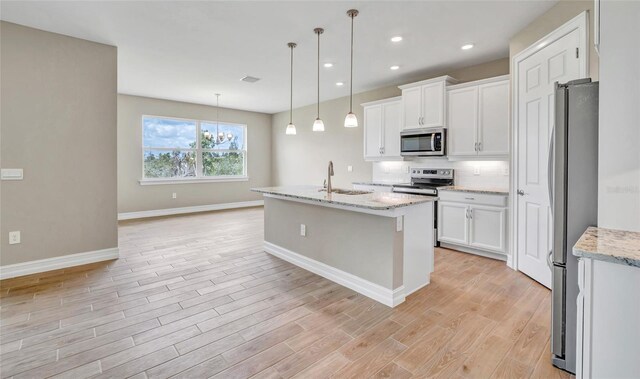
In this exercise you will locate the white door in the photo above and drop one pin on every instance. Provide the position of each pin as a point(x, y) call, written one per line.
point(412, 107)
point(493, 118)
point(453, 224)
point(372, 131)
point(392, 124)
point(487, 228)
point(433, 105)
point(535, 85)
point(462, 121)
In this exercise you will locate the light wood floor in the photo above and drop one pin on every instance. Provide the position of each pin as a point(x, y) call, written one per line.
point(195, 297)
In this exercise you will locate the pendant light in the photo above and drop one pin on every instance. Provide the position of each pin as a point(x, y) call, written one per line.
point(291, 129)
point(318, 125)
point(351, 121)
point(220, 135)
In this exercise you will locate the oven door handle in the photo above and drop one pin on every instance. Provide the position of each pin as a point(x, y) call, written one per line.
point(417, 191)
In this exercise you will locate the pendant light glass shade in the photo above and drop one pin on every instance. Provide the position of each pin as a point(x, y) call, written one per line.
point(318, 125)
point(351, 121)
point(291, 128)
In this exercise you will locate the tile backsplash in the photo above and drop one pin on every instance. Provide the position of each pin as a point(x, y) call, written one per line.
point(478, 174)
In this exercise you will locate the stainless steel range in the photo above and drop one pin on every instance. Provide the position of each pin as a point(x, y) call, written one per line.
point(425, 181)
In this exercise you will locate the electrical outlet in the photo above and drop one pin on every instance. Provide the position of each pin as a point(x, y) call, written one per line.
point(303, 230)
point(174, 195)
point(407, 169)
point(14, 237)
point(505, 171)
point(350, 168)
point(476, 171)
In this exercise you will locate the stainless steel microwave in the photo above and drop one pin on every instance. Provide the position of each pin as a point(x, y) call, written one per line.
point(423, 142)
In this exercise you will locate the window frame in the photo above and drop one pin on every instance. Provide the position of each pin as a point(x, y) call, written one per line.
point(199, 151)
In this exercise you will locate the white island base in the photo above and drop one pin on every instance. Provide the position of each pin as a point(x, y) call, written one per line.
point(385, 253)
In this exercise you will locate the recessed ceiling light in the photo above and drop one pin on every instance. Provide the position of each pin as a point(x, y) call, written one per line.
point(339, 84)
point(327, 65)
point(396, 39)
point(467, 46)
point(394, 67)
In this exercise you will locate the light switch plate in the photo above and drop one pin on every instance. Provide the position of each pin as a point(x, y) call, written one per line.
point(174, 195)
point(349, 168)
point(12, 174)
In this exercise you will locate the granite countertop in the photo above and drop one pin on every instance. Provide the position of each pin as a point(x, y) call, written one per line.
point(616, 246)
point(487, 191)
point(371, 200)
point(382, 184)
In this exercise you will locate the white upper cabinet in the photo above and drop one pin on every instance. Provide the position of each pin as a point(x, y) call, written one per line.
point(463, 121)
point(424, 103)
point(478, 118)
point(382, 125)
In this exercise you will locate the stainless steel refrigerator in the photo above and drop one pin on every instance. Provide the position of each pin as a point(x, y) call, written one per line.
point(573, 191)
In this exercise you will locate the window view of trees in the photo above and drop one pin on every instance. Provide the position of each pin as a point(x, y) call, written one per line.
point(171, 149)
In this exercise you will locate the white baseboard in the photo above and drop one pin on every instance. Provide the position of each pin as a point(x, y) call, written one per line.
point(183, 210)
point(42, 265)
point(486, 254)
point(374, 291)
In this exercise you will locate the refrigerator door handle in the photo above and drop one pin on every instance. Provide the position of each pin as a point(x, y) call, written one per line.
point(550, 168)
point(549, 263)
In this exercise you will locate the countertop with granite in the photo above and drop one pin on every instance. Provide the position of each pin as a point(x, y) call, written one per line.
point(378, 201)
point(382, 184)
point(616, 246)
point(486, 191)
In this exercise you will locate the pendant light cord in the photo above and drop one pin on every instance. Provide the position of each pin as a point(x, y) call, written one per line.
point(351, 81)
point(318, 32)
point(291, 45)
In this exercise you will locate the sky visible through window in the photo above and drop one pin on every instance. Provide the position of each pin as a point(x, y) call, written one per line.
point(171, 133)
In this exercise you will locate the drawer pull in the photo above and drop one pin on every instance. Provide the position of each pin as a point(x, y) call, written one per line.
point(469, 198)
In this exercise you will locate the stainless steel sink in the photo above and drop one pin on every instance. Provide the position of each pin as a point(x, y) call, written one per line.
point(341, 191)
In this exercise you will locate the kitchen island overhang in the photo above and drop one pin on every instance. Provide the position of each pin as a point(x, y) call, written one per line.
point(377, 244)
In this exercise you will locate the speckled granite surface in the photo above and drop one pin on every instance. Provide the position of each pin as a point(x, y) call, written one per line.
point(617, 246)
point(373, 200)
point(383, 184)
point(487, 191)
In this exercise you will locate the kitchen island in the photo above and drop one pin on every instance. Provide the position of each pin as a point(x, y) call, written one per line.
point(378, 244)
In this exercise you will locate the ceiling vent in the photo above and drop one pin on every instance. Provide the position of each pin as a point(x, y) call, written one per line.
point(250, 79)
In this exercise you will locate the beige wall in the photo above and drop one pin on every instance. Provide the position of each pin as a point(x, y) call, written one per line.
point(303, 158)
point(58, 123)
point(362, 249)
point(133, 197)
point(555, 17)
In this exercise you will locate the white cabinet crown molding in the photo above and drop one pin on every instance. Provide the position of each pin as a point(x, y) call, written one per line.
point(446, 78)
point(479, 82)
point(382, 101)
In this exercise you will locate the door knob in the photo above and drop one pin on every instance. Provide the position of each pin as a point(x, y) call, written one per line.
point(520, 192)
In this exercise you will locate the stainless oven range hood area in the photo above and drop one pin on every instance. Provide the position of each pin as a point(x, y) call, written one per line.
point(423, 142)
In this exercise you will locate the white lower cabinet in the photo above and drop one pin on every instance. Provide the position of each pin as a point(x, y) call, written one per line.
point(453, 223)
point(473, 221)
point(608, 335)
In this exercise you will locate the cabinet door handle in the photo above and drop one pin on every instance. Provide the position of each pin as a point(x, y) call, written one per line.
point(479, 146)
point(470, 213)
point(466, 213)
point(469, 198)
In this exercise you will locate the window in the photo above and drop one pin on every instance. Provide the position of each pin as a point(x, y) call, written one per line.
point(191, 150)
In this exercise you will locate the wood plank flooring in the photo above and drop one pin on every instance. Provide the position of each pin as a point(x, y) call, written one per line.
point(195, 297)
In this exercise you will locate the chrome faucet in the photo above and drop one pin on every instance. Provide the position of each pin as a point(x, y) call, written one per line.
point(329, 175)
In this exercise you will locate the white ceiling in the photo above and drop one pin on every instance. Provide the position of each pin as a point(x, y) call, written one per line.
point(187, 51)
